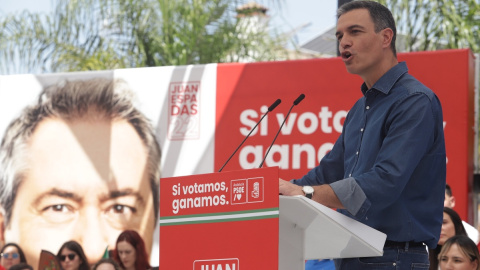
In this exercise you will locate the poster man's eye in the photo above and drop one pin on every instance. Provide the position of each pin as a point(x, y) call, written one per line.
point(58, 213)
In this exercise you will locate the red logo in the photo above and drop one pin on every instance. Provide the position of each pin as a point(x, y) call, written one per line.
point(239, 191)
point(255, 189)
point(247, 190)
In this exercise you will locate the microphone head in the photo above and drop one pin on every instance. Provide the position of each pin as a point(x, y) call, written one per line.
point(300, 98)
point(274, 105)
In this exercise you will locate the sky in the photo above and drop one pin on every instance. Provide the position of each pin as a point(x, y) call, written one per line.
point(316, 16)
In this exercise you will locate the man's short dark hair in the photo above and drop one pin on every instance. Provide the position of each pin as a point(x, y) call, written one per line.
point(94, 99)
point(381, 16)
point(448, 190)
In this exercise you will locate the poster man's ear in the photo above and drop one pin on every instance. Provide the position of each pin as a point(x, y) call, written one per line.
point(2, 227)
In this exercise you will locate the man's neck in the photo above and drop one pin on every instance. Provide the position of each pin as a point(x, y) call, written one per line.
point(382, 68)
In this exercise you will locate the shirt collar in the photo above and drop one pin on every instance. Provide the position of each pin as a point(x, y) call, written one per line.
point(386, 82)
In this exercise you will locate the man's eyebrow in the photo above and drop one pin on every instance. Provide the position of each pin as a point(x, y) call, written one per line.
point(353, 26)
point(59, 193)
point(114, 194)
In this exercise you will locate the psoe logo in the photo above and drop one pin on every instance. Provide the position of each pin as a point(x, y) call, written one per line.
point(217, 264)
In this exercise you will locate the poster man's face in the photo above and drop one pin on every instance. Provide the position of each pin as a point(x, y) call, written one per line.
point(86, 181)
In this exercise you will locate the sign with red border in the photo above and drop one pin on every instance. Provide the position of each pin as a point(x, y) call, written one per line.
point(220, 220)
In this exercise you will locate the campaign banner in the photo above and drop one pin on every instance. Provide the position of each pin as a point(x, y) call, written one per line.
point(225, 220)
point(97, 168)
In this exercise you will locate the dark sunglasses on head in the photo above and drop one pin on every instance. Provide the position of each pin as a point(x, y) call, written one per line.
point(10, 255)
point(70, 256)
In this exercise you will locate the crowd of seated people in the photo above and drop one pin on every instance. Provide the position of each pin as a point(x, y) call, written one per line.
point(130, 253)
point(451, 226)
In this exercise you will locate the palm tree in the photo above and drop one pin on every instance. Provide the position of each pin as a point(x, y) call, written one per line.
point(437, 24)
point(109, 34)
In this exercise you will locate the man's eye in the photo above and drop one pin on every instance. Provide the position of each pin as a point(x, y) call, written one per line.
point(58, 213)
point(57, 208)
point(123, 209)
point(120, 215)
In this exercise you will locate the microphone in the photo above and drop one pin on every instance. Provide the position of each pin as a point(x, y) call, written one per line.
point(295, 103)
point(273, 106)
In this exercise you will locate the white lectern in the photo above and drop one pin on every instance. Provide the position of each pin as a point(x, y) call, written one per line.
point(309, 230)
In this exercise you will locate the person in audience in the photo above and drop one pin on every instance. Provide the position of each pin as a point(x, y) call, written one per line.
point(451, 226)
point(459, 252)
point(21, 266)
point(72, 257)
point(106, 264)
point(11, 254)
point(130, 251)
point(450, 202)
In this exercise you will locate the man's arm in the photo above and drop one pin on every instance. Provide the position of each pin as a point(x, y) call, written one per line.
point(323, 194)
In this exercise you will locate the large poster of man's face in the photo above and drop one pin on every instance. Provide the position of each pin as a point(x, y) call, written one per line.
point(80, 160)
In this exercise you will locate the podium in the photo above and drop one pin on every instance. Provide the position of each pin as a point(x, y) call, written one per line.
point(237, 221)
point(309, 230)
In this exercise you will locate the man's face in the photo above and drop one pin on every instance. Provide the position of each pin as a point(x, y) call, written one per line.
point(359, 45)
point(86, 181)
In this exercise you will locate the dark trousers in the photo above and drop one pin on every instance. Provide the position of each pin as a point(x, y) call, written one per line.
point(394, 258)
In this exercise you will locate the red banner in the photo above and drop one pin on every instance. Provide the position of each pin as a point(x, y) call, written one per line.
point(220, 221)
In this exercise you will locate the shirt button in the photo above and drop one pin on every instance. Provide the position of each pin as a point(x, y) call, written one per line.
point(350, 175)
point(361, 130)
point(368, 107)
point(356, 153)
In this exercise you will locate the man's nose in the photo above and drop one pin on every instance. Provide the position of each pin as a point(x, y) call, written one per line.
point(91, 234)
point(345, 42)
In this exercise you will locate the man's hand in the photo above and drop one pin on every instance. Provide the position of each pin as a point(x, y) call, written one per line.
point(289, 189)
point(323, 194)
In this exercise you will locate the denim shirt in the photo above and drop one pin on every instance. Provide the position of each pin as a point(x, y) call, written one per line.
point(388, 167)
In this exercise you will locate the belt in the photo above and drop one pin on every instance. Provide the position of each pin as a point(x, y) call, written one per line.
point(405, 245)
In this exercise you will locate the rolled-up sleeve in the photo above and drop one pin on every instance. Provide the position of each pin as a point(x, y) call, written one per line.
point(352, 197)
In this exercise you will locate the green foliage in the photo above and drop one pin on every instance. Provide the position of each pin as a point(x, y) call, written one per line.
point(437, 24)
point(109, 34)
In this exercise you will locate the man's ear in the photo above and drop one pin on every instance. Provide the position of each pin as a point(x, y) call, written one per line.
point(452, 201)
point(387, 34)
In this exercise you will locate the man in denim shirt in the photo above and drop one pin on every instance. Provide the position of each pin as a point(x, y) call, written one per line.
point(388, 167)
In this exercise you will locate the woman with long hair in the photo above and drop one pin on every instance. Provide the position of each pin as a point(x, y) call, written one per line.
point(130, 251)
point(451, 226)
point(72, 257)
point(459, 252)
point(11, 254)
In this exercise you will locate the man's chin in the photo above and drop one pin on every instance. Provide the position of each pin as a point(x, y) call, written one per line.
point(351, 69)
